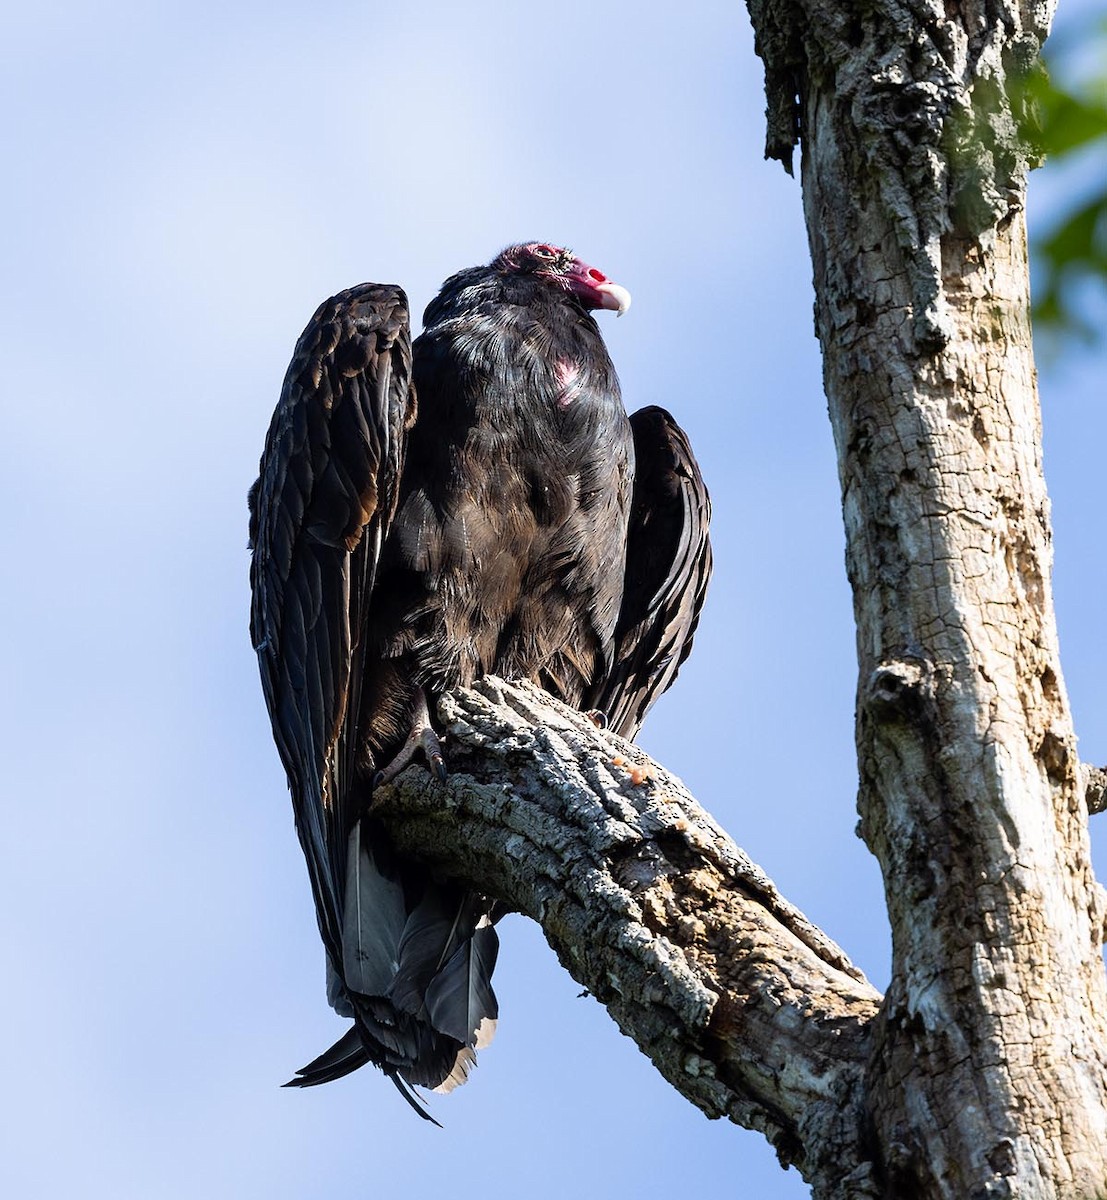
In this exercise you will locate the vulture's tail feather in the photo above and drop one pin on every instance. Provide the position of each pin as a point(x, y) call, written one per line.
point(416, 973)
point(346, 1055)
point(375, 916)
point(459, 999)
point(410, 1095)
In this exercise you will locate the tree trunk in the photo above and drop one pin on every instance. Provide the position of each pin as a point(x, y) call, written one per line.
point(983, 1071)
point(988, 1071)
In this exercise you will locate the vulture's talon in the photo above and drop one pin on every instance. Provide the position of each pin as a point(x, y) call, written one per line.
point(597, 716)
point(422, 739)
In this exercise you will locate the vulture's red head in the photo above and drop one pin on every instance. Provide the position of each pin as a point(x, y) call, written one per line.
point(562, 268)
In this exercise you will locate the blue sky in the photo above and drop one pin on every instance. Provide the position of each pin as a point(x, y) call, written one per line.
point(183, 189)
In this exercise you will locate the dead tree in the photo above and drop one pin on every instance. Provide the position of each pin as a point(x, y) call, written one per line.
point(983, 1070)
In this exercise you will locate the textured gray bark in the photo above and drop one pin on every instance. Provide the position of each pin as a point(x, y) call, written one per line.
point(988, 1073)
point(742, 1004)
point(983, 1071)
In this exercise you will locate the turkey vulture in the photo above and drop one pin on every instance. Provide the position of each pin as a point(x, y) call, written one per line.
point(476, 502)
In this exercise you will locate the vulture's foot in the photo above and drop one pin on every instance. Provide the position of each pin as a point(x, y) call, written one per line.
point(421, 737)
point(597, 716)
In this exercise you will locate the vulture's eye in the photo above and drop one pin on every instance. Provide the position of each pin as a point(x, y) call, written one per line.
point(543, 252)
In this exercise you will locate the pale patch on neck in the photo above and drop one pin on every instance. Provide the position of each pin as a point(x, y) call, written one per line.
point(569, 385)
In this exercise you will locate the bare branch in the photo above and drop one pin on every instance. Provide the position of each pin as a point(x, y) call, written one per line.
point(747, 1008)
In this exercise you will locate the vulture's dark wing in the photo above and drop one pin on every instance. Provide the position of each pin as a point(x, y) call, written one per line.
point(668, 566)
point(318, 514)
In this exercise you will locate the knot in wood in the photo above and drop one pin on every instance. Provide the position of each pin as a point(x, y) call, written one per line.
point(638, 866)
point(897, 689)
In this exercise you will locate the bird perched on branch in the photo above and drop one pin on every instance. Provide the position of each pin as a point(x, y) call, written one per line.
point(478, 502)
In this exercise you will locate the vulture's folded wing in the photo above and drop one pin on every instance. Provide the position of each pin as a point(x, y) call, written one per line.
point(318, 515)
point(667, 569)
